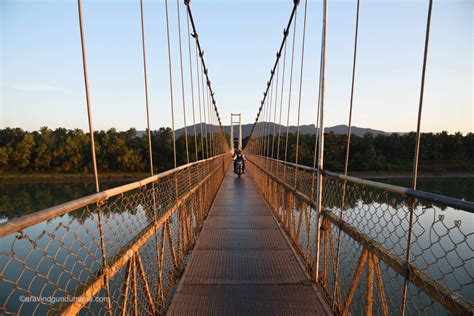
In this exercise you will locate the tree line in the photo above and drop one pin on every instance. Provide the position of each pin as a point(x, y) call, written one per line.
point(68, 151)
point(439, 152)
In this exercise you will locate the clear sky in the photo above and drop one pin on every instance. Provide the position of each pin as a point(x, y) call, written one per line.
point(41, 65)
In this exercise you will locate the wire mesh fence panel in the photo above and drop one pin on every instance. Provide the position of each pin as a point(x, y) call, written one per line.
point(119, 251)
point(364, 242)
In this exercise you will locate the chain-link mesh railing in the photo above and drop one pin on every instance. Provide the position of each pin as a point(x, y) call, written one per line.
point(363, 263)
point(131, 242)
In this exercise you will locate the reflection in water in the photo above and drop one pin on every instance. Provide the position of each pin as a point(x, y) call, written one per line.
point(459, 188)
point(440, 249)
point(64, 254)
point(18, 199)
point(441, 245)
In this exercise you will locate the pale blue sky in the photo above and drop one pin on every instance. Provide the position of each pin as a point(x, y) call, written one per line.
point(42, 83)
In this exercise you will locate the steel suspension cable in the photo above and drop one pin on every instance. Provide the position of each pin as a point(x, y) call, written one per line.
point(270, 105)
point(201, 55)
point(416, 156)
point(256, 139)
point(211, 129)
point(262, 127)
point(182, 82)
point(269, 109)
point(192, 89)
point(209, 121)
point(183, 97)
point(171, 82)
point(198, 75)
point(204, 105)
point(209, 135)
point(275, 111)
point(316, 143)
point(285, 36)
point(88, 101)
point(422, 90)
point(213, 134)
point(281, 101)
point(265, 110)
point(289, 96)
point(267, 152)
point(319, 182)
point(217, 138)
point(301, 86)
point(216, 144)
point(216, 135)
point(346, 162)
point(354, 60)
point(316, 134)
point(145, 79)
point(214, 119)
point(94, 160)
point(260, 132)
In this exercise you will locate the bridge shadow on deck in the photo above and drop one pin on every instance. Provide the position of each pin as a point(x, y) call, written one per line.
point(242, 264)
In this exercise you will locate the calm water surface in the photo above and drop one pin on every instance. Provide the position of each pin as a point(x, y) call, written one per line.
point(17, 199)
point(460, 188)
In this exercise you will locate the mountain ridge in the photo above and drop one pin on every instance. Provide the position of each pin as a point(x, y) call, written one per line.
point(304, 129)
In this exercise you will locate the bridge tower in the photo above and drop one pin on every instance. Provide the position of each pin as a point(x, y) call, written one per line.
point(235, 118)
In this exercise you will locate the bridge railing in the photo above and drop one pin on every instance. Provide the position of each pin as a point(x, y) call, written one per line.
point(130, 241)
point(363, 266)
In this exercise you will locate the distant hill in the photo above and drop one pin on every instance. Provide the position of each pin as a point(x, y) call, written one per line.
point(304, 129)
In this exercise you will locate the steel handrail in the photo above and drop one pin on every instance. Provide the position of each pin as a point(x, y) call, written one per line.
point(459, 204)
point(25, 221)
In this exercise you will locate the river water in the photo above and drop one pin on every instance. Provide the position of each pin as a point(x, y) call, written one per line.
point(17, 199)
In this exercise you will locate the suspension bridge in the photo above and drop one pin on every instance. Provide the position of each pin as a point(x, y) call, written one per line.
point(284, 239)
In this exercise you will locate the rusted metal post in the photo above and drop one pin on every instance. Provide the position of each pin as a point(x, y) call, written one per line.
point(370, 286)
point(355, 280)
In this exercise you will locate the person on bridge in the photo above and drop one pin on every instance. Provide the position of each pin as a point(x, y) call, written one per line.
point(239, 156)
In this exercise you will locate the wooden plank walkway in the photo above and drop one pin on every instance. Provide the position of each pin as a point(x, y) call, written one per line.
point(242, 264)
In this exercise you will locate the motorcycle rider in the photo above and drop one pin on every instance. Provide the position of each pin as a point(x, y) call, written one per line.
point(239, 156)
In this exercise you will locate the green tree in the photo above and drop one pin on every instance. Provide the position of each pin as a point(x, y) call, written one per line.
point(21, 155)
point(42, 151)
point(3, 158)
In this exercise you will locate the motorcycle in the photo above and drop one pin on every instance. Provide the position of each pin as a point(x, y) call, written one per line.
point(239, 167)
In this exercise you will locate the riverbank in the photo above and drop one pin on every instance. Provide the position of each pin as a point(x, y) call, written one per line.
point(125, 177)
point(408, 175)
point(70, 177)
